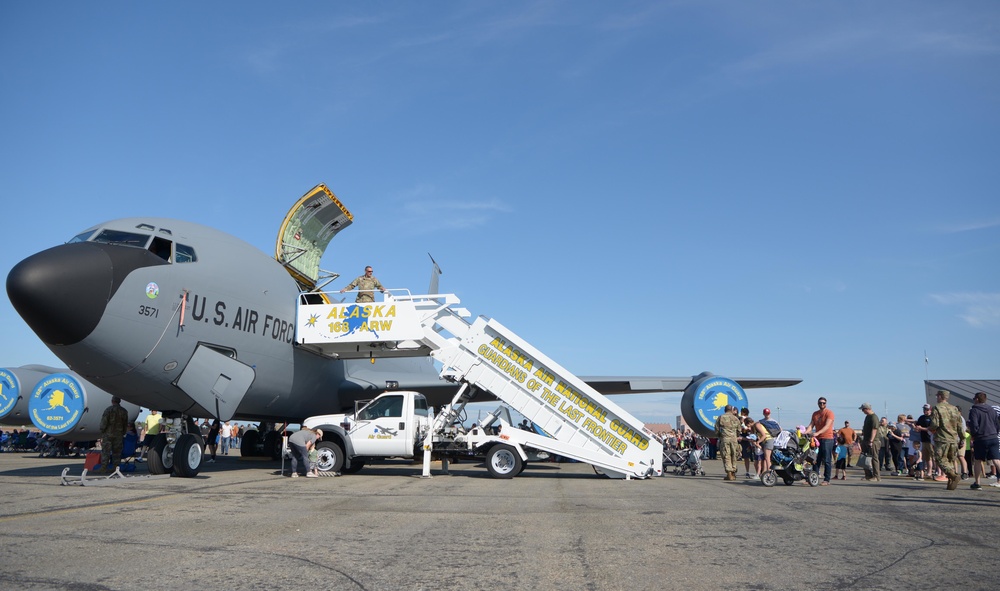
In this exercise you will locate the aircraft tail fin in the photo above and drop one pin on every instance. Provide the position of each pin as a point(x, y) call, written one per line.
point(435, 273)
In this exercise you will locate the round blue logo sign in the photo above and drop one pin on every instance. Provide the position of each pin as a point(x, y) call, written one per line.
point(713, 395)
point(56, 405)
point(10, 391)
point(706, 398)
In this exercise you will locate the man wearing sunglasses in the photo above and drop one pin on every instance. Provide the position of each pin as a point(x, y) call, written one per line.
point(821, 427)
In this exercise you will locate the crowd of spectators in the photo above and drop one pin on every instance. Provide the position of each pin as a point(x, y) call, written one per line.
point(905, 446)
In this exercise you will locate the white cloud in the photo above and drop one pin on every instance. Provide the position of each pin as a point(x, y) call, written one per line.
point(972, 226)
point(978, 309)
point(851, 44)
point(424, 211)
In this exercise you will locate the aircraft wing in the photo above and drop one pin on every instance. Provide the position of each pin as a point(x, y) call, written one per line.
point(646, 384)
point(439, 392)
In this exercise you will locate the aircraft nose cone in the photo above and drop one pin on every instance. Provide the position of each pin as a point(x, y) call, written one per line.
point(62, 292)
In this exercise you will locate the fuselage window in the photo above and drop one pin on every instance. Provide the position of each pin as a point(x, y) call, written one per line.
point(160, 248)
point(184, 254)
point(119, 238)
point(81, 237)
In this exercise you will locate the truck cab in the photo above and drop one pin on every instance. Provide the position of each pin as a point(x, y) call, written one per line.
point(391, 425)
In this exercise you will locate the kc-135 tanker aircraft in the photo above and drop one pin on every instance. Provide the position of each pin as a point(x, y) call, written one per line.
point(183, 318)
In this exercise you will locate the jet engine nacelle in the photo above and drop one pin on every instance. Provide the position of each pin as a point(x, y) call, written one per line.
point(706, 398)
point(16, 385)
point(58, 402)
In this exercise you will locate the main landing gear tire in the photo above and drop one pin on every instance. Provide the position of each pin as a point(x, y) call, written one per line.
point(187, 456)
point(330, 458)
point(272, 445)
point(503, 461)
point(160, 458)
point(249, 443)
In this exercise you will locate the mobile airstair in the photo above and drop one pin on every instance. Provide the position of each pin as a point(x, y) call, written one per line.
point(581, 423)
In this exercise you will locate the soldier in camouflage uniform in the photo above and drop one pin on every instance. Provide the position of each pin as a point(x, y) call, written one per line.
point(114, 425)
point(366, 285)
point(946, 424)
point(727, 428)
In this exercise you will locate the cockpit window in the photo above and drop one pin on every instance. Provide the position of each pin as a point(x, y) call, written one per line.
point(185, 254)
point(119, 238)
point(81, 237)
point(160, 248)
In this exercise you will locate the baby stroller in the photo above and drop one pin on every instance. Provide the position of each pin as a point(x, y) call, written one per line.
point(684, 461)
point(791, 460)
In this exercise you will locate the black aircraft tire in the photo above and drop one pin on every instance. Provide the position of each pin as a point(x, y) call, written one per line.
point(331, 457)
point(503, 462)
point(272, 445)
point(188, 454)
point(154, 457)
point(249, 443)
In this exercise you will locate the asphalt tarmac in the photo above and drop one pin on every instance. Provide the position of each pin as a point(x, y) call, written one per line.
point(240, 525)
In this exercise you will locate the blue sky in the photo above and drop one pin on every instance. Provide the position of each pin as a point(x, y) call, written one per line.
point(772, 189)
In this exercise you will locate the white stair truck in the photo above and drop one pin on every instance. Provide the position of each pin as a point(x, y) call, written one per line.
point(577, 421)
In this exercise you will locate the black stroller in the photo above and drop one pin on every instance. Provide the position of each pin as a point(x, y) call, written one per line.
point(791, 460)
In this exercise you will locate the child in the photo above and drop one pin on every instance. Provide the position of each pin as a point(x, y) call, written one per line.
point(313, 459)
point(918, 465)
point(841, 451)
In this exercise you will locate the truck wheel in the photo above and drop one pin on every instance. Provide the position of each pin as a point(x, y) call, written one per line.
point(503, 461)
point(330, 456)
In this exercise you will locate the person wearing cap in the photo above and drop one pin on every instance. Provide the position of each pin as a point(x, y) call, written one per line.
point(922, 425)
point(869, 442)
point(946, 424)
point(300, 443)
point(727, 428)
point(765, 429)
